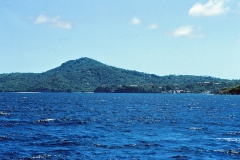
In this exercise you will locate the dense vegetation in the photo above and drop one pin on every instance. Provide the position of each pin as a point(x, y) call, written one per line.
point(169, 88)
point(231, 90)
point(87, 75)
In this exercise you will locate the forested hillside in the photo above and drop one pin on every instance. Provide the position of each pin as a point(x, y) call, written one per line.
point(231, 90)
point(85, 75)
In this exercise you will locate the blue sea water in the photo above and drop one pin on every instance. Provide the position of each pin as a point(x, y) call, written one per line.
point(119, 126)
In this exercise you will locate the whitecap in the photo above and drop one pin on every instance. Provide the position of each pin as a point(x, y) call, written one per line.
point(46, 120)
point(232, 133)
point(196, 128)
point(4, 113)
point(229, 139)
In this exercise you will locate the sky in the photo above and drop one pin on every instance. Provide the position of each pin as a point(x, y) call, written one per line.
point(162, 37)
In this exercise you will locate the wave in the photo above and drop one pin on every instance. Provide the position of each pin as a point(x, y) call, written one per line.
point(229, 139)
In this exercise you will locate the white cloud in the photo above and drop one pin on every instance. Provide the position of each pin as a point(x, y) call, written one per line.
point(135, 21)
point(211, 8)
point(183, 31)
point(153, 26)
point(187, 31)
point(53, 21)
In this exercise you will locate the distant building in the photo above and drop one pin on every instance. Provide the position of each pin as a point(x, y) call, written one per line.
point(133, 85)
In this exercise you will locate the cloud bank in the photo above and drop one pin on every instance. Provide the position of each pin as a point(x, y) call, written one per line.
point(53, 21)
point(211, 8)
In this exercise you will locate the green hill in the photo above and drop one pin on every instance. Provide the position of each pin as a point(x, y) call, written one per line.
point(85, 75)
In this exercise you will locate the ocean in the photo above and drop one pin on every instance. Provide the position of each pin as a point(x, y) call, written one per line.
point(119, 126)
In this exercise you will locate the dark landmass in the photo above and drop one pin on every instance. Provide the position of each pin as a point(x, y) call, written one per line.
point(231, 90)
point(88, 75)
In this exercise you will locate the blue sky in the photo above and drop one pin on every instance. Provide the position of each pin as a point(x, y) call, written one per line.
point(190, 37)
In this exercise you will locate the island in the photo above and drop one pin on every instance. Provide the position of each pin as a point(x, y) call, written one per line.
point(88, 75)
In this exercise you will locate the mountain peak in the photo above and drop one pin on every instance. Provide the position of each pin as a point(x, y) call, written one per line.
point(76, 65)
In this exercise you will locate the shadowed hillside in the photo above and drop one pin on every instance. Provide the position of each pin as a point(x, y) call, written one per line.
point(231, 90)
